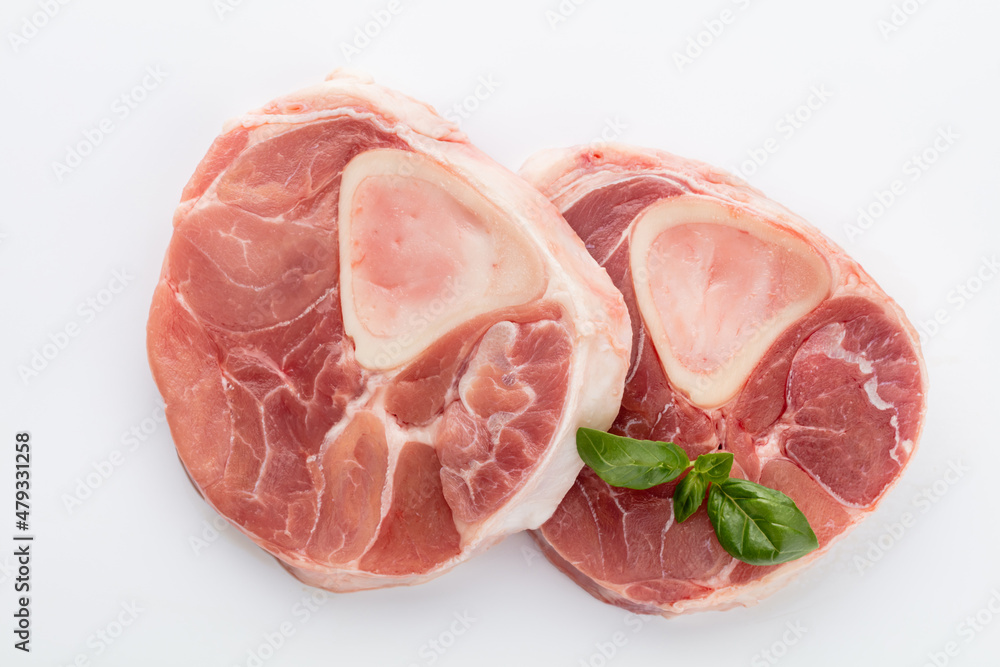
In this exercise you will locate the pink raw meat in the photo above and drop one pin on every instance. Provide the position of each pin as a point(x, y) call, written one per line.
point(753, 334)
point(375, 344)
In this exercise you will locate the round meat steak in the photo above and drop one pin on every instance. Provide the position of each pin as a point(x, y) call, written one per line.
point(753, 334)
point(375, 344)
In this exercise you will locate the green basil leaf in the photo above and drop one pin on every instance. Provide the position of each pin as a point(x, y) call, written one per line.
point(634, 464)
point(758, 525)
point(689, 495)
point(715, 466)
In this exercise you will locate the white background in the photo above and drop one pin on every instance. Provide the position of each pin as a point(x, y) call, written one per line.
point(884, 596)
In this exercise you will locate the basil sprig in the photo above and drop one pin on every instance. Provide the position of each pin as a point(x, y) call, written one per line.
point(758, 525)
point(633, 464)
point(754, 524)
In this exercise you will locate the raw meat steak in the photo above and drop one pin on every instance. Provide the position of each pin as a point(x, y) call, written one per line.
point(375, 344)
point(752, 334)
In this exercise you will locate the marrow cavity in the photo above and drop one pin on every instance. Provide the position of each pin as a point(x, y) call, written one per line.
point(716, 286)
point(421, 252)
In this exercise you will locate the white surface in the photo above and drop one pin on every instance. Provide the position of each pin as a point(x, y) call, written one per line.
point(608, 64)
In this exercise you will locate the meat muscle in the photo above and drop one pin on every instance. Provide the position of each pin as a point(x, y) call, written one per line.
point(374, 343)
point(753, 334)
